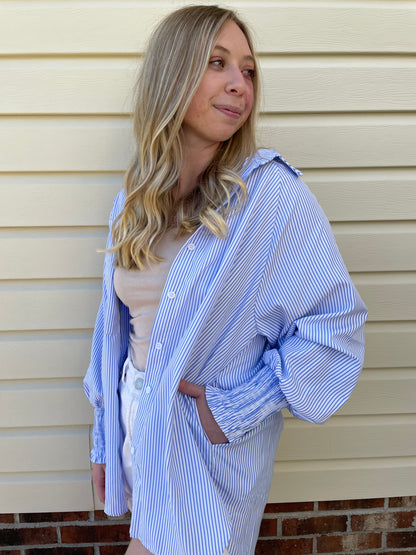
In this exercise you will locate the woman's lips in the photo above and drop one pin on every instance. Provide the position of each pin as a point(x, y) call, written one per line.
point(230, 111)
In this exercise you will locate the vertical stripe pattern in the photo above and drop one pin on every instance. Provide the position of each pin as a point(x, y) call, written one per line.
point(265, 319)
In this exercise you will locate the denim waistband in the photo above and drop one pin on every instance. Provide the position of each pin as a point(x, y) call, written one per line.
point(130, 375)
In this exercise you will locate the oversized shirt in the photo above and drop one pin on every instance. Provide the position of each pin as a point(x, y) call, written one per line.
point(265, 319)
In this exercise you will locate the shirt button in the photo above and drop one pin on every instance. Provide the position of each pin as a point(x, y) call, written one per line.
point(171, 295)
point(138, 384)
point(132, 450)
point(191, 247)
point(158, 346)
point(148, 389)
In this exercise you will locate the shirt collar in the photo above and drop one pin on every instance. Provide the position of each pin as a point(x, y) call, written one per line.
point(263, 156)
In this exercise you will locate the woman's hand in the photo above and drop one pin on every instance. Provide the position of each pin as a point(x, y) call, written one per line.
point(212, 430)
point(98, 477)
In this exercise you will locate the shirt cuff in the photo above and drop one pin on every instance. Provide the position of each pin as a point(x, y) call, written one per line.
point(98, 440)
point(239, 410)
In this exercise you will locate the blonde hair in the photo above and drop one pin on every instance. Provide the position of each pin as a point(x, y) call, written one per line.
point(175, 62)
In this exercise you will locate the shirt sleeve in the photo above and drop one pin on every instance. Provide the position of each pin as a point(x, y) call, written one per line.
point(93, 379)
point(94, 390)
point(312, 363)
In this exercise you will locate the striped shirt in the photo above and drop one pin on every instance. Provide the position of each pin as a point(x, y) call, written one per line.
point(265, 319)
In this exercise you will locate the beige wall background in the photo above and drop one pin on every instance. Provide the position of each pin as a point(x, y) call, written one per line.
point(339, 103)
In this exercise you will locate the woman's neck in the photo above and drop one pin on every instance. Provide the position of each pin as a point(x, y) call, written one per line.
point(196, 160)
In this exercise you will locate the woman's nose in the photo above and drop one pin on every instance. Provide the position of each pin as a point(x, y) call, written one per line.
point(236, 83)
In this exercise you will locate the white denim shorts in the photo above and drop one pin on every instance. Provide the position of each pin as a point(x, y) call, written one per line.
point(130, 389)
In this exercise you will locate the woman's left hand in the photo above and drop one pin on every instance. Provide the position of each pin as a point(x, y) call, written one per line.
point(212, 430)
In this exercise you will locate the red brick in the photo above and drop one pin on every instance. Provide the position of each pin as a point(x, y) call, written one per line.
point(350, 504)
point(314, 525)
point(348, 542)
point(301, 546)
point(383, 521)
point(28, 536)
point(8, 552)
point(288, 507)
point(54, 517)
point(268, 527)
point(401, 539)
point(95, 533)
point(113, 549)
point(59, 551)
point(402, 501)
point(100, 515)
point(7, 519)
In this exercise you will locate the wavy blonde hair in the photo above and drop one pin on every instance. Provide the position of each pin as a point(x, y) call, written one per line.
point(176, 60)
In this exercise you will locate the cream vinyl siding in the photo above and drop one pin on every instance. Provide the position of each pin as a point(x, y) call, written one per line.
point(339, 103)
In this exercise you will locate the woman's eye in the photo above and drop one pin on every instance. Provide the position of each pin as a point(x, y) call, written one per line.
point(250, 73)
point(217, 62)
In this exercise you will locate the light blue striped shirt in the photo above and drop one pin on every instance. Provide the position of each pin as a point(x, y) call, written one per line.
point(267, 318)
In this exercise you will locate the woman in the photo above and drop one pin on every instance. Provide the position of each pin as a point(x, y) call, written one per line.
point(225, 300)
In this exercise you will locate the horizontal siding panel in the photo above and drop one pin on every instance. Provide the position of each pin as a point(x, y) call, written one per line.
point(344, 479)
point(105, 144)
point(83, 199)
point(74, 307)
point(60, 199)
point(390, 345)
point(387, 391)
point(83, 27)
point(64, 404)
point(65, 354)
point(58, 450)
point(343, 437)
point(388, 296)
point(43, 450)
point(314, 85)
point(337, 141)
point(57, 255)
point(47, 308)
point(104, 86)
point(64, 307)
point(65, 144)
point(390, 391)
point(46, 492)
point(73, 253)
point(44, 354)
point(377, 247)
point(64, 86)
point(365, 194)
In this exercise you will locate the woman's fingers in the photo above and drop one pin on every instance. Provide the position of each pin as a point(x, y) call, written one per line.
point(211, 428)
point(213, 431)
point(98, 477)
point(191, 389)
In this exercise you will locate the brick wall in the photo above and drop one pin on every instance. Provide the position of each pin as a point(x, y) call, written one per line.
point(365, 526)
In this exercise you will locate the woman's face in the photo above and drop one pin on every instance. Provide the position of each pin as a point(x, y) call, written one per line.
point(224, 98)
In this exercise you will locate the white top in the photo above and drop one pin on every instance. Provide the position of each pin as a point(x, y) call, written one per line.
point(141, 290)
